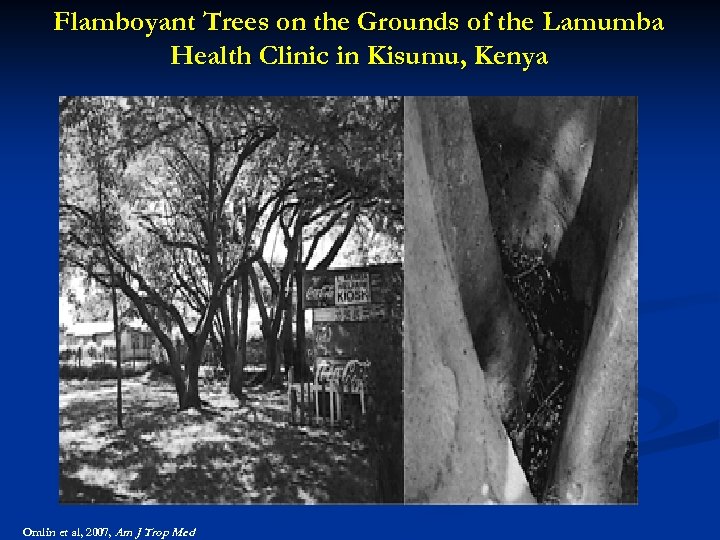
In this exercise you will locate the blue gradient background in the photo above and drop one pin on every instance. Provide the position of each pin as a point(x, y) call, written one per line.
point(674, 73)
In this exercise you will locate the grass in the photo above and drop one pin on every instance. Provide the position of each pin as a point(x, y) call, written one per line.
point(225, 454)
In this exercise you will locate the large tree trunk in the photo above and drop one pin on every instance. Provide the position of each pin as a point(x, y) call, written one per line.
point(501, 340)
point(271, 324)
point(286, 338)
point(230, 341)
point(193, 359)
point(238, 369)
point(271, 359)
point(176, 373)
point(456, 449)
point(230, 356)
point(604, 198)
point(535, 153)
point(603, 404)
point(604, 399)
point(229, 351)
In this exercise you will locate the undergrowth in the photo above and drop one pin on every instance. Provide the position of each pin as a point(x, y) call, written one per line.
point(554, 320)
point(541, 291)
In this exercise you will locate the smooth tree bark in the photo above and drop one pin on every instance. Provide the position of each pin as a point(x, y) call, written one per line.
point(501, 340)
point(603, 404)
point(584, 217)
point(535, 153)
point(584, 248)
point(604, 399)
point(456, 448)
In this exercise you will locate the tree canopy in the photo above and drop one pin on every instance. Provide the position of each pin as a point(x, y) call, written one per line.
point(176, 197)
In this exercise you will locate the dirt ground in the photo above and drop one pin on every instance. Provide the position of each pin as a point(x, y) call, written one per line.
point(225, 454)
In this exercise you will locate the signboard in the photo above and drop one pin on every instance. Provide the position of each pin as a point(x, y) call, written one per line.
point(368, 312)
point(319, 290)
point(352, 289)
point(352, 309)
point(335, 340)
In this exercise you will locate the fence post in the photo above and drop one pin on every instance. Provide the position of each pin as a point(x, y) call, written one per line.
point(324, 401)
point(302, 402)
point(316, 400)
point(291, 404)
point(341, 395)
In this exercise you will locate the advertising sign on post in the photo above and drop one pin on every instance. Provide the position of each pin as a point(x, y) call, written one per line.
point(346, 303)
point(352, 289)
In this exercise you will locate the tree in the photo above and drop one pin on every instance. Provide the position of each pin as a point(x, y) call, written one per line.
point(340, 160)
point(99, 159)
point(557, 233)
point(500, 338)
point(535, 154)
point(603, 403)
point(456, 449)
point(178, 162)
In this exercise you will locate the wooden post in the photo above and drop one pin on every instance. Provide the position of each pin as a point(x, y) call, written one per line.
point(317, 387)
point(309, 401)
point(118, 360)
point(300, 308)
point(315, 398)
point(362, 398)
point(341, 395)
point(291, 408)
point(322, 405)
point(302, 401)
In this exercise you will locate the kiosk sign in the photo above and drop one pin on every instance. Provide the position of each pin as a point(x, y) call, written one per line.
point(352, 289)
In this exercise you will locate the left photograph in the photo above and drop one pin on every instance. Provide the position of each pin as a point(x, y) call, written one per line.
point(230, 299)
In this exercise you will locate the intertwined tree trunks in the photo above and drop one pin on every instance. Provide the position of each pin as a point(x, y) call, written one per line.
point(604, 401)
point(602, 406)
point(456, 448)
point(604, 198)
point(536, 153)
point(502, 343)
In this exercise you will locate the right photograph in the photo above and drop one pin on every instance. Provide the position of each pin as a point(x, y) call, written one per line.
point(521, 300)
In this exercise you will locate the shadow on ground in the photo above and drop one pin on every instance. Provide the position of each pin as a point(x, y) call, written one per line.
point(227, 454)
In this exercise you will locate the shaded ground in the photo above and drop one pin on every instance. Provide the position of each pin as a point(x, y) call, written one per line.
point(226, 454)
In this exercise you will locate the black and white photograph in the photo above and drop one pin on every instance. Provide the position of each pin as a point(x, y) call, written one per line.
point(521, 300)
point(231, 299)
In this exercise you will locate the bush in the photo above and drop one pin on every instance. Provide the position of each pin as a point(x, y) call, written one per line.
point(96, 372)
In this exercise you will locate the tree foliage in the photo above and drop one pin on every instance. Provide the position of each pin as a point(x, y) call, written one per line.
point(191, 188)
